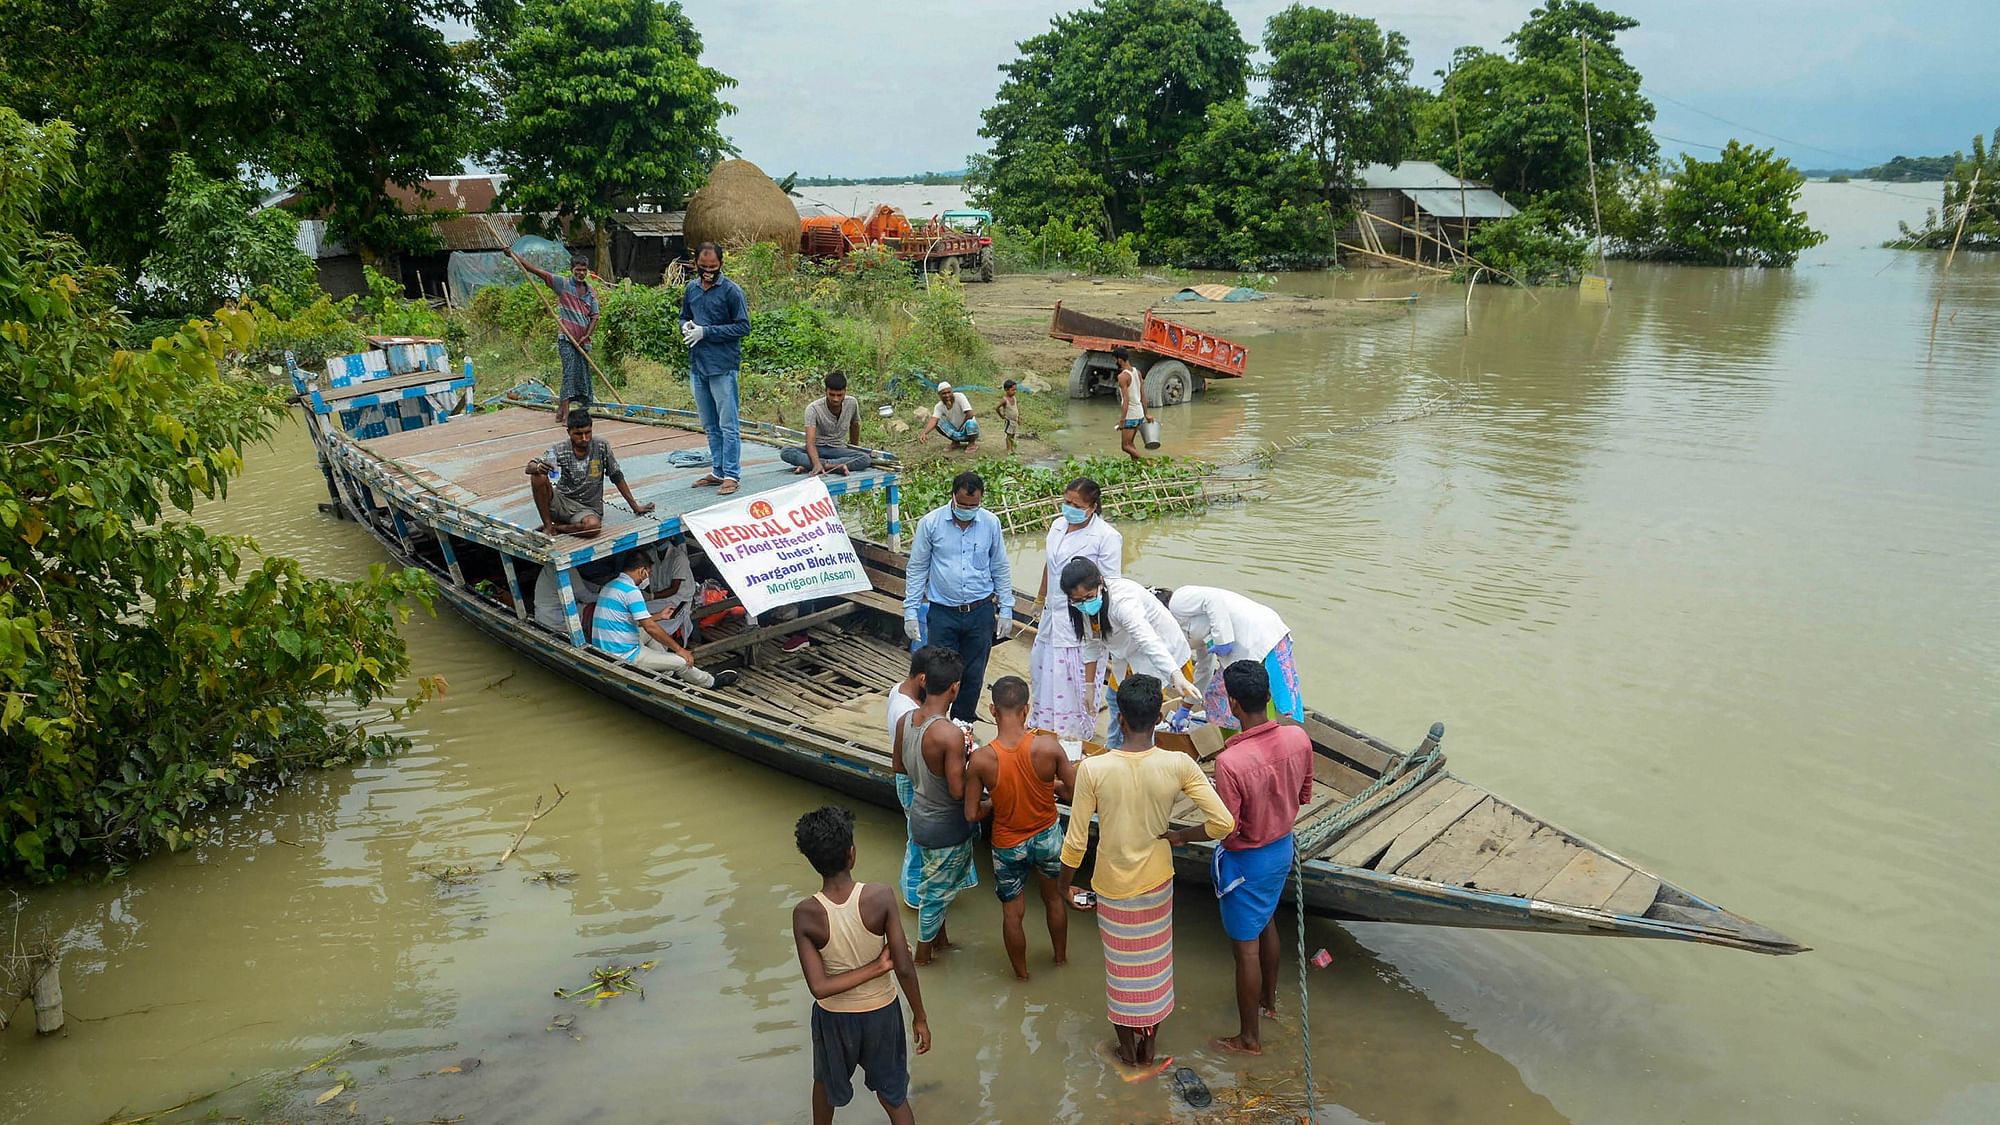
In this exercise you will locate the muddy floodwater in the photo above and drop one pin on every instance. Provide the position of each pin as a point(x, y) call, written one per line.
point(1706, 574)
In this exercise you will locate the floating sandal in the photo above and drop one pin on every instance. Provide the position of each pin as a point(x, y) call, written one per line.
point(1192, 1089)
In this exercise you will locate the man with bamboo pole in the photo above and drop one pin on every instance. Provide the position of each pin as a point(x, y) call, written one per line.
point(576, 319)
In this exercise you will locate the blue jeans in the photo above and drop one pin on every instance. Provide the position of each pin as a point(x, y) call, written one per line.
point(715, 401)
point(857, 460)
point(970, 634)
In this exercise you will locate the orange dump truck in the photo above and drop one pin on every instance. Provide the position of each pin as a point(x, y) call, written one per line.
point(932, 247)
point(1176, 360)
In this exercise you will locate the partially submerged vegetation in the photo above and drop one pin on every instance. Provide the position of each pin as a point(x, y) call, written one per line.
point(152, 671)
point(1740, 209)
point(1975, 206)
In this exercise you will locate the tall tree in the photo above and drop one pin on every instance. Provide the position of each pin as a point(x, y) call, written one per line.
point(148, 669)
point(349, 128)
point(216, 246)
point(1236, 196)
point(605, 104)
point(141, 80)
point(1340, 86)
point(1101, 100)
point(1968, 217)
point(1520, 118)
point(1739, 209)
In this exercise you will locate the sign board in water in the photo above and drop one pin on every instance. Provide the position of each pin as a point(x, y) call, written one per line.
point(781, 546)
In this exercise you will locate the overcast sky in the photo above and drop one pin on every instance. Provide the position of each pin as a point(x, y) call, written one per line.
point(850, 87)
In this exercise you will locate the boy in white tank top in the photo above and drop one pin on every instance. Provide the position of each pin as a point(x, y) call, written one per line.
point(850, 937)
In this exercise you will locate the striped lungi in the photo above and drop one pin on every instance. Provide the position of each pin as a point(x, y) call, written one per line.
point(1138, 936)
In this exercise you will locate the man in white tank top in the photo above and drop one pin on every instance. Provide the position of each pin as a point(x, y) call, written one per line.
point(850, 938)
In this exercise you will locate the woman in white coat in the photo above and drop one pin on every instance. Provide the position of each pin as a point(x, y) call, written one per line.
point(1064, 698)
point(1126, 631)
point(1222, 627)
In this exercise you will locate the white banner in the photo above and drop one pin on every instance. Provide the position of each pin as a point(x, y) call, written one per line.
point(781, 546)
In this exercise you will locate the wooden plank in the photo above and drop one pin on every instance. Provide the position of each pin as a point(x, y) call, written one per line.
point(1634, 896)
point(1470, 844)
point(1332, 773)
point(1419, 835)
point(765, 632)
point(1588, 879)
point(1523, 866)
point(1385, 809)
point(1362, 849)
point(1347, 746)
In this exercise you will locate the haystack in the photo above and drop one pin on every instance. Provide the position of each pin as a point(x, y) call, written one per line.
point(740, 205)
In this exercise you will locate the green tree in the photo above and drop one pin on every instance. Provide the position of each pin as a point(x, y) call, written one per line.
point(605, 104)
point(1736, 210)
point(1518, 119)
point(1340, 86)
point(1537, 246)
point(148, 670)
point(1980, 210)
point(369, 95)
point(1236, 196)
point(1096, 105)
point(216, 246)
point(142, 81)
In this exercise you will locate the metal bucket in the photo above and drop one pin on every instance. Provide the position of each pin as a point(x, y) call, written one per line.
point(1149, 432)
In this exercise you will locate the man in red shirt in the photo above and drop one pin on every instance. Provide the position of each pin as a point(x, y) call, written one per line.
point(1264, 776)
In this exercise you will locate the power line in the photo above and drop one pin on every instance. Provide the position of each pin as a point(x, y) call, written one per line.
point(1751, 128)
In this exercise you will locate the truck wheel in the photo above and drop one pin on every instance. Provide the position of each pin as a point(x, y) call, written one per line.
point(986, 264)
point(949, 268)
point(1169, 383)
point(1080, 377)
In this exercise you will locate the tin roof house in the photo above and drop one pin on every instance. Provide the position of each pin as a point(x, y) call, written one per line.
point(1420, 196)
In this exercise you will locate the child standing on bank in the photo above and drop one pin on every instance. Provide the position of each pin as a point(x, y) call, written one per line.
point(1009, 411)
point(850, 938)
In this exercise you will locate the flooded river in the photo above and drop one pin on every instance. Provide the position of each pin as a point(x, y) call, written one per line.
point(1705, 574)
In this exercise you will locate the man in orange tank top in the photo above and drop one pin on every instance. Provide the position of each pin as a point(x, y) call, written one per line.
point(850, 937)
point(1022, 773)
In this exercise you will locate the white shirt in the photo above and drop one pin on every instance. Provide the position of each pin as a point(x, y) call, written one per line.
point(960, 407)
point(1145, 639)
point(1097, 541)
point(1211, 616)
point(899, 706)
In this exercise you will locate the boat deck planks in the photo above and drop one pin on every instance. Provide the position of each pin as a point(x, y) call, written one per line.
point(1525, 865)
point(1432, 825)
point(479, 462)
point(1635, 896)
point(1587, 880)
point(1466, 846)
point(1360, 850)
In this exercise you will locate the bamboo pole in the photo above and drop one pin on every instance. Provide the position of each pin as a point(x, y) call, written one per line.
point(1589, 157)
point(1970, 194)
point(1393, 259)
point(46, 972)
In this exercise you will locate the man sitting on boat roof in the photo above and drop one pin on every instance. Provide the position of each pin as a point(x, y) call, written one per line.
point(626, 629)
point(568, 482)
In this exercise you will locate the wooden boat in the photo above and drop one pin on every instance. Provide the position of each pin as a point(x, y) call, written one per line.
point(1390, 836)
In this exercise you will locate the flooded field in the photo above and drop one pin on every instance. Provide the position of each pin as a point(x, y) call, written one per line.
point(1705, 574)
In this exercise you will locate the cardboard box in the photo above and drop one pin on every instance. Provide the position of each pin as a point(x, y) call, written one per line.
point(1200, 742)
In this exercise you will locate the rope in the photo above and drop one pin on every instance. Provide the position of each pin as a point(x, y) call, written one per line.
point(1405, 774)
point(1305, 1008)
point(1424, 409)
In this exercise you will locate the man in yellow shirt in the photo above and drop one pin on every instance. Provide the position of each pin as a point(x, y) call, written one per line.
point(1131, 790)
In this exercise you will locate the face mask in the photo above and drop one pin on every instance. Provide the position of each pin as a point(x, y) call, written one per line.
point(711, 275)
point(1089, 608)
point(964, 515)
point(1074, 514)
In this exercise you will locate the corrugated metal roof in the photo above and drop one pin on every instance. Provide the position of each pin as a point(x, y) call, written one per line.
point(1413, 175)
point(1480, 203)
point(652, 224)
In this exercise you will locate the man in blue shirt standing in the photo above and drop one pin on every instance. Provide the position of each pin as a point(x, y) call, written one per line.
point(714, 320)
point(959, 587)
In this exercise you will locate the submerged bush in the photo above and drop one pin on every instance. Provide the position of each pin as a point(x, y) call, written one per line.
point(1536, 246)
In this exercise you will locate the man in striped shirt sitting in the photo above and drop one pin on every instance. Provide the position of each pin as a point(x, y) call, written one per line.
point(626, 629)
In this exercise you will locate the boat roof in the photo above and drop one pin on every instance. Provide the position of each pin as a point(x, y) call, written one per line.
point(468, 475)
